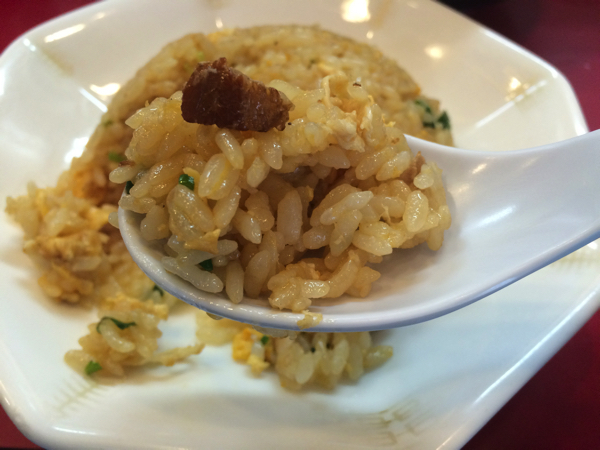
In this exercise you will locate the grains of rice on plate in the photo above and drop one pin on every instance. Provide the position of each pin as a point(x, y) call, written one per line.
point(296, 213)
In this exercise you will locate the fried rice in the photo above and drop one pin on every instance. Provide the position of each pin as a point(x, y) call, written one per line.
point(297, 214)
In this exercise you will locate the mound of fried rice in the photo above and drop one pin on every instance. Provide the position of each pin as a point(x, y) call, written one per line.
point(295, 214)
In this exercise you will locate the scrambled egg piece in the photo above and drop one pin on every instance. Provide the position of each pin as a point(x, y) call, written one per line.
point(253, 348)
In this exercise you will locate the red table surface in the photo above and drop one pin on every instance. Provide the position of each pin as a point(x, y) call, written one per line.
point(559, 408)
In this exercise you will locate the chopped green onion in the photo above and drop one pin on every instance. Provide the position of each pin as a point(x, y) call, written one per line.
point(128, 187)
point(159, 290)
point(424, 105)
point(444, 120)
point(187, 181)
point(116, 157)
point(207, 265)
point(118, 323)
point(200, 56)
point(264, 340)
point(92, 367)
point(429, 124)
point(107, 123)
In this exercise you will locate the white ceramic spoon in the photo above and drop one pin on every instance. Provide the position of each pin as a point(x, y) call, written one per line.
point(512, 214)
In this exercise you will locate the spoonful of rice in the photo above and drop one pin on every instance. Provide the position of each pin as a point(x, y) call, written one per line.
point(513, 213)
point(317, 215)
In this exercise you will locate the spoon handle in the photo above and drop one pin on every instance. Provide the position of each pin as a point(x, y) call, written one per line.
point(543, 201)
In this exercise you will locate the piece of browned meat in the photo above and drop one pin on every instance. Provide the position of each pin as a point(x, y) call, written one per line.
point(219, 95)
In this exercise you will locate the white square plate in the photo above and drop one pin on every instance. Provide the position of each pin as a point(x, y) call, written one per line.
point(448, 376)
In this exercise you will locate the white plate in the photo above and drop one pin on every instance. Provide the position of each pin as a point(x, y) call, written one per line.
point(448, 376)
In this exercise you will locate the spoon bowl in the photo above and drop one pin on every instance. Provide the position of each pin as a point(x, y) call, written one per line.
point(513, 213)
